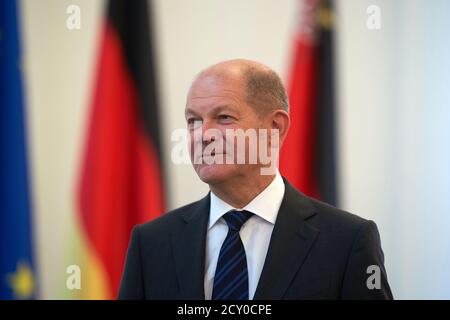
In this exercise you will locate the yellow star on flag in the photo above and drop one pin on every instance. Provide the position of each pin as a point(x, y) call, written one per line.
point(22, 281)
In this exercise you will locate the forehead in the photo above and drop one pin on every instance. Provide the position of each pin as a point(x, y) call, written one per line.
point(212, 89)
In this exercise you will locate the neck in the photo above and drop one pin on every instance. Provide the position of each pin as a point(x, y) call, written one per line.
point(239, 194)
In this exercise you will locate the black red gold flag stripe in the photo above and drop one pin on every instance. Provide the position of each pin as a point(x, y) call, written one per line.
point(122, 179)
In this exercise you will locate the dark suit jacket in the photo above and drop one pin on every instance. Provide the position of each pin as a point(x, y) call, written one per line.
point(316, 252)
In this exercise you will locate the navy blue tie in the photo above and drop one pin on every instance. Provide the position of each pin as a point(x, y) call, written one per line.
point(231, 278)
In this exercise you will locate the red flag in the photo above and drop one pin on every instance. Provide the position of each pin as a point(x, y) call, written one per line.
point(307, 158)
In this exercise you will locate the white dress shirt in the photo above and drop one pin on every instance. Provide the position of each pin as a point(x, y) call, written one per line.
point(255, 233)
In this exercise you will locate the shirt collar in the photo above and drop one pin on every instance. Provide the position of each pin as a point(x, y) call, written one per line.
point(265, 205)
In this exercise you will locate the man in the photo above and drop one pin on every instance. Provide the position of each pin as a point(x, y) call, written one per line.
point(253, 236)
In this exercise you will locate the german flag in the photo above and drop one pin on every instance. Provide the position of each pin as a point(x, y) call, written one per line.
point(308, 156)
point(121, 180)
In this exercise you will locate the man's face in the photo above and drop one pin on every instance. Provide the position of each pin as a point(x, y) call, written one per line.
point(215, 104)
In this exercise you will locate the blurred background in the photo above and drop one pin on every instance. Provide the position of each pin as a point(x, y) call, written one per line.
point(83, 158)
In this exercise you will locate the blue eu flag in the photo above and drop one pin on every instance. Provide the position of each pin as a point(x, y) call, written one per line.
point(17, 277)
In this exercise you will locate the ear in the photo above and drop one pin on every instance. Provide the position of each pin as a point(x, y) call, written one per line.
point(281, 121)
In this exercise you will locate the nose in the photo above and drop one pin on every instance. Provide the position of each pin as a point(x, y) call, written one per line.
point(209, 132)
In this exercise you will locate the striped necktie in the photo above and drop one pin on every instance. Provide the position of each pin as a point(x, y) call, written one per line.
point(231, 278)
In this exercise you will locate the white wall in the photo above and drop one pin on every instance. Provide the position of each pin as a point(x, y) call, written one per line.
point(393, 115)
point(58, 65)
point(395, 136)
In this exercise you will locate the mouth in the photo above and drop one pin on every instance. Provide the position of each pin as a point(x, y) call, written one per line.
point(209, 156)
point(212, 154)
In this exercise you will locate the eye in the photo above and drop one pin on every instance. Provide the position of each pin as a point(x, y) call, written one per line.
point(192, 122)
point(225, 117)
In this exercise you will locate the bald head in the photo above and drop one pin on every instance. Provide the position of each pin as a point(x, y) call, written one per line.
point(262, 87)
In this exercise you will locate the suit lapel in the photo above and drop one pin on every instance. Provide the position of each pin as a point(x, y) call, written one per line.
point(290, 243)
point(189, 250)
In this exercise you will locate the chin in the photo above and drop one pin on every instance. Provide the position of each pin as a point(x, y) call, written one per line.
point(215, 173)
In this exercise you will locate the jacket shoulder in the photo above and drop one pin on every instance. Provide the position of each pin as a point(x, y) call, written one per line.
point(172, 219)
point(320, 214)
point(330, 215)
